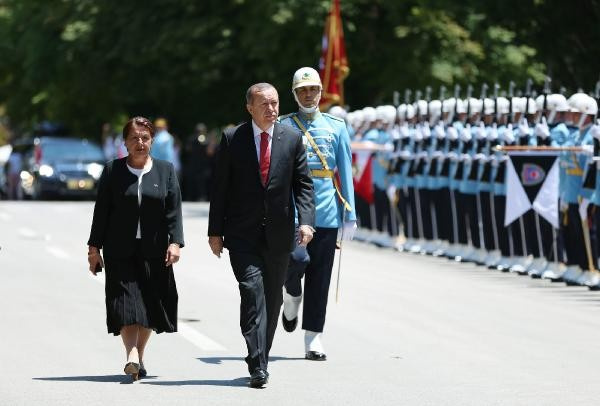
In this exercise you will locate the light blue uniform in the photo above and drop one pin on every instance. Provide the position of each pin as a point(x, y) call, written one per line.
point(453, 183)
point(572, 165)
point(499, 188)
point(467, 185)
point(410, 147)
point(381, 161)
point(163, 147)
point(331, 136)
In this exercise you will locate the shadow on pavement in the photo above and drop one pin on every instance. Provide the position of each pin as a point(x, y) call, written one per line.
point(219, 360)
point(124, 379)
point(215, 382)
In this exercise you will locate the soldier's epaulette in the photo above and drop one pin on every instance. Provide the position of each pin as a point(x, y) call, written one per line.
point(333, 117)
point(281, 118)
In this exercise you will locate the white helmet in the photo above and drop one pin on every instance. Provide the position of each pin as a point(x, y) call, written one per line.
point(410, 111)
point(582, 103)
point(338, 111)
point(557, 102)
point(385, 114)
point(402, 110)
point(357, 118)
point(306, 77)
point(531, 106)
point(369, 114)
point(421, 107)
point(350, 117)
point(518, 104)
point(488, 106)
point(390, 112)
point(448, 105)
point(474, 106)
point(435, 109)
point(502, 105)
point(539, 102)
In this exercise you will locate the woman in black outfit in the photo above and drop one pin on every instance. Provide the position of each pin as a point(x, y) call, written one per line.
point(137, 224)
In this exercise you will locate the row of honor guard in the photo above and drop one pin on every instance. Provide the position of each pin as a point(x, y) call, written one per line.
point(439, 181)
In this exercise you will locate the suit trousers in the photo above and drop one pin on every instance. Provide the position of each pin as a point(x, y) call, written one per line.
point(315, 263)
point(260, 276)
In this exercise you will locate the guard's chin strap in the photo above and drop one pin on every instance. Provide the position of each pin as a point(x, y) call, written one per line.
point(306, 110)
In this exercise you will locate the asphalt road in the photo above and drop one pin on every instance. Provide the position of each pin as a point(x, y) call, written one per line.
point(408, 330)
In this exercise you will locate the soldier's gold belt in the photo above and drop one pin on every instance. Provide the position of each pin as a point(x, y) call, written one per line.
point(321, 173)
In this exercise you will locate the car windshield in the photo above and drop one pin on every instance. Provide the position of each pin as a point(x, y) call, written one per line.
point(72, 150)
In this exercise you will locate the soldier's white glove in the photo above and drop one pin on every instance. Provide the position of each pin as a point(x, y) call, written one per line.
point(564, 206)
point(541, 129)
point(492, 134)
point(588, 149)
point(439, 131)
point(524, 129)
point(466, 158)
point(418, 134)
point(480, 131)
point(346, 232)
point(453, 156)
point(425, 130)
point(595, 130)
point(479, 157)
point(406, 155)
point(509, 137)
point(404, 132)
point(465, 134)
point(452, 133)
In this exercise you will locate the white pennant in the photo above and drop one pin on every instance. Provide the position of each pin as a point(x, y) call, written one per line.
point(546, 201)
point(517, 202)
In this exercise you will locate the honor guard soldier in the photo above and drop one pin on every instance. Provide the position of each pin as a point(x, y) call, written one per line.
point(328, 151)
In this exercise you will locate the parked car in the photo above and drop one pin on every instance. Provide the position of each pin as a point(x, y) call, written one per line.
point(59, 167)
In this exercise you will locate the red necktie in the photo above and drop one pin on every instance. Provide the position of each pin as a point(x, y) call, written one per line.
point(265, 157)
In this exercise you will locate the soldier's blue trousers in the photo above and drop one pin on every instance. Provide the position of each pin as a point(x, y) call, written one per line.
point(314, 263)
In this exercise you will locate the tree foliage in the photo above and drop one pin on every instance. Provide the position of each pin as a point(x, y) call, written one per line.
point(84, 62)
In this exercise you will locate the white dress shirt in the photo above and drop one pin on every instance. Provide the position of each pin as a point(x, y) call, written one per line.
point(257, 132)
point(140, 173)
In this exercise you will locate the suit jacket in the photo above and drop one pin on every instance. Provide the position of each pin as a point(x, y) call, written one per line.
point(241, 209)
point(116, 213)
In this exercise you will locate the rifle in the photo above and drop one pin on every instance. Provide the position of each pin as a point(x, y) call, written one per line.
point(458, 175)
point(511, 110)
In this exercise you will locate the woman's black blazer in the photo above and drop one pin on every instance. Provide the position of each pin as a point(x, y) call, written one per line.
point(116, 213)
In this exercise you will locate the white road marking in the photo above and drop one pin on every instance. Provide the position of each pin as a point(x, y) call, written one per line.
point(27, 232)
point(5, 216)
point(57, 252)
point(198, 339)
point(184, 329)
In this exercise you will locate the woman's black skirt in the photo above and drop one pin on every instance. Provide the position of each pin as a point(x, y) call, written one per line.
point(140, 291)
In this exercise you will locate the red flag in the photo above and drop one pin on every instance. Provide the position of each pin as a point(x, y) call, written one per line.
point(363, 182)
point(333, 65)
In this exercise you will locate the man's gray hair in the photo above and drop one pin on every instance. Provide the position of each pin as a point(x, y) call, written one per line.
point(258, 87)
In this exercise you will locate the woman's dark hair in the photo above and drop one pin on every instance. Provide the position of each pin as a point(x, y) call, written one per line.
point(137, 122)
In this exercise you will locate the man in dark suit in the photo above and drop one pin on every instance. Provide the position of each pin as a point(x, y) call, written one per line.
point(260, 177)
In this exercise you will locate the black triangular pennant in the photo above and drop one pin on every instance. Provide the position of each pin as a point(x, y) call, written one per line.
point(532, 170)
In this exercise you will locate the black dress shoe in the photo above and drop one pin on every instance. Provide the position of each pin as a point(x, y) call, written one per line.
point(289, 325)
point(259, 378)
point(315, 356)
point(142, 373)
